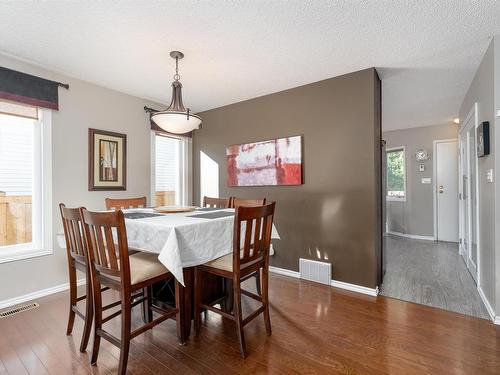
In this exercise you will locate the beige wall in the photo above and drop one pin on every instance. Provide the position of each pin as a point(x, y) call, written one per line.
point(416, 215)
point(83, 106)
point(481, 91)
point(335, 214)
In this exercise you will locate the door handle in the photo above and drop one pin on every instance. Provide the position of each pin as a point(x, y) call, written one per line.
point(441, 189)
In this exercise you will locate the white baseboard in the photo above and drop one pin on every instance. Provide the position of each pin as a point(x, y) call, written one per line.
point(491, 312)
point(38, 294)
point(334, 283)
point(355, 288)
point(412, 236)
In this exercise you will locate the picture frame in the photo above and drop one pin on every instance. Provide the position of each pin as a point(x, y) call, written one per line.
point(483, 139)
point(107, 160)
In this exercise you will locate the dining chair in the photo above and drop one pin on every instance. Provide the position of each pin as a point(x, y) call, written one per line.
point(216, 202)
point(256, 225)
point(124, 203)
point(76, 251)
point(241, 202)
point(125, 274)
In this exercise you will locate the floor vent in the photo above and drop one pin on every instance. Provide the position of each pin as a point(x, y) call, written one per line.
point(18, 310)
point(313, 270)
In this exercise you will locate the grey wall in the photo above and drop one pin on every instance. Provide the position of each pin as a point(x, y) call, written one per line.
point(481, 91)
point(416, 215)
point(335, 214)
point(83, 106)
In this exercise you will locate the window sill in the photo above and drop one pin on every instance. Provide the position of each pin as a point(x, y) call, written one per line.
point(395, 199)
point(14, 253)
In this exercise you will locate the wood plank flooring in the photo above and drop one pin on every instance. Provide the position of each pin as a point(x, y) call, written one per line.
point(430, 273)
point(316, 330)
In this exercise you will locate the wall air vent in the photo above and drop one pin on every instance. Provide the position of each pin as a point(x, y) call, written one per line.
point(17, 310)
point(313, 270)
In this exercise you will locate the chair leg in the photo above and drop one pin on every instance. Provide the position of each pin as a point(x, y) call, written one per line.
point(238, 317)
point(72, 298)
point(89, 315)
point(146, 306)
point(125, 333)
point(257, 283)
point(265, 298)
point(197, 301)
point(96, 289)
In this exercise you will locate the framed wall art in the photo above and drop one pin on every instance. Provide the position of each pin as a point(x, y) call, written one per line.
point(107, 160)
point(265, 163)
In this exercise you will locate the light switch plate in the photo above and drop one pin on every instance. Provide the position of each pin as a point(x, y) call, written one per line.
point(489, 175)
point(426, 180)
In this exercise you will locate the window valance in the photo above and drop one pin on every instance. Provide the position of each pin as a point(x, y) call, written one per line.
point(28, 89)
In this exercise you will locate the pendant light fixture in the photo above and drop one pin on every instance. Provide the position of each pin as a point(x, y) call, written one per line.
point(176, 118)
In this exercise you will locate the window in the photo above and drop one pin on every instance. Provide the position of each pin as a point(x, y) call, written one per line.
point(169, 170)
point(396, 174)
point(25, 192)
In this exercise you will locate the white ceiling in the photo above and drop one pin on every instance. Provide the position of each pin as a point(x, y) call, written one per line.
point(426, 51)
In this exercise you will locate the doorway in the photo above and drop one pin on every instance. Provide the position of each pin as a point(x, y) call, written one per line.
point(469, 225)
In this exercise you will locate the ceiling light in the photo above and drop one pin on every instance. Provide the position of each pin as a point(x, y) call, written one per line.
point(176, 118)
point(456, 120)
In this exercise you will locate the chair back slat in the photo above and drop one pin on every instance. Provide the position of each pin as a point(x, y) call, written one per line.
point(240, 202)
point(216, 202)
point(76, 246)
point(122, 204)
point(256, 239)
point(102, 244)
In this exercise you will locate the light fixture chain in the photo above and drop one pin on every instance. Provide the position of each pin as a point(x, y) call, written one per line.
point(177, 76)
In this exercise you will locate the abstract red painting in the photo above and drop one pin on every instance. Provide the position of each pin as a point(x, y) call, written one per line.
point(273, 162)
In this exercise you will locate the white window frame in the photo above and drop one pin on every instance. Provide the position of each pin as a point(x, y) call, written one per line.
point(390, 198)
point(183, 183)
point(41, 197)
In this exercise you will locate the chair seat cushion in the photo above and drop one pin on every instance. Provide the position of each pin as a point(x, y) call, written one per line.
point(225, 263)
point(145, 266)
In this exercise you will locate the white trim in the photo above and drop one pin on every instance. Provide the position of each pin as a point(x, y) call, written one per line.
point(487, 304)
point(334, 283)
point(284, 272)
point(497, 320)
point(38, 294)
point(412, 236)
point(355, 288)
point(434, 181)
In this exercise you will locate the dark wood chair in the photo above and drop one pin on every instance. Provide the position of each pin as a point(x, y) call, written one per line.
point(241, 202)
point(217, 202)
point(241, 262)
point(76, 249)
point(126, 274)
point(122, 204)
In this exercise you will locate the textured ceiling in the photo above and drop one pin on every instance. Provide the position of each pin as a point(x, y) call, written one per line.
point(426, 51)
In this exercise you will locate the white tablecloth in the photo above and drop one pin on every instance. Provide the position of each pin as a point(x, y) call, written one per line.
point(180, 240)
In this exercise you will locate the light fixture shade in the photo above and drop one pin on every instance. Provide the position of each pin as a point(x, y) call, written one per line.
point(176, 122)
point(176, 119)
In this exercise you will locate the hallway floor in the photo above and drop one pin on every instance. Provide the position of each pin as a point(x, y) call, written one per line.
point(430, 273)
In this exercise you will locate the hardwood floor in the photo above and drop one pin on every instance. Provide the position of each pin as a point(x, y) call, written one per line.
point(430, 273)
point(316, 330)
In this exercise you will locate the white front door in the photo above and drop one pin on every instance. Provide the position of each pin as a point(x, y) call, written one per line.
point(468, 195)
point(447, 190)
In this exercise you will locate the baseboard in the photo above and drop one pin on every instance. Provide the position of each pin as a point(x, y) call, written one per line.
point(334, 283)
point(355, 288)
point(412, 236)
point(491, 312)
point(38, 294)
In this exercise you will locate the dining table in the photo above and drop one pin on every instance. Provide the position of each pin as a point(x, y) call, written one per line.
point(182, 241)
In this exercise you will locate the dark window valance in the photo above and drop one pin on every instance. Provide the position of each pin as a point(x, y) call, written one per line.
point(156, 128)
point(25, 88)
